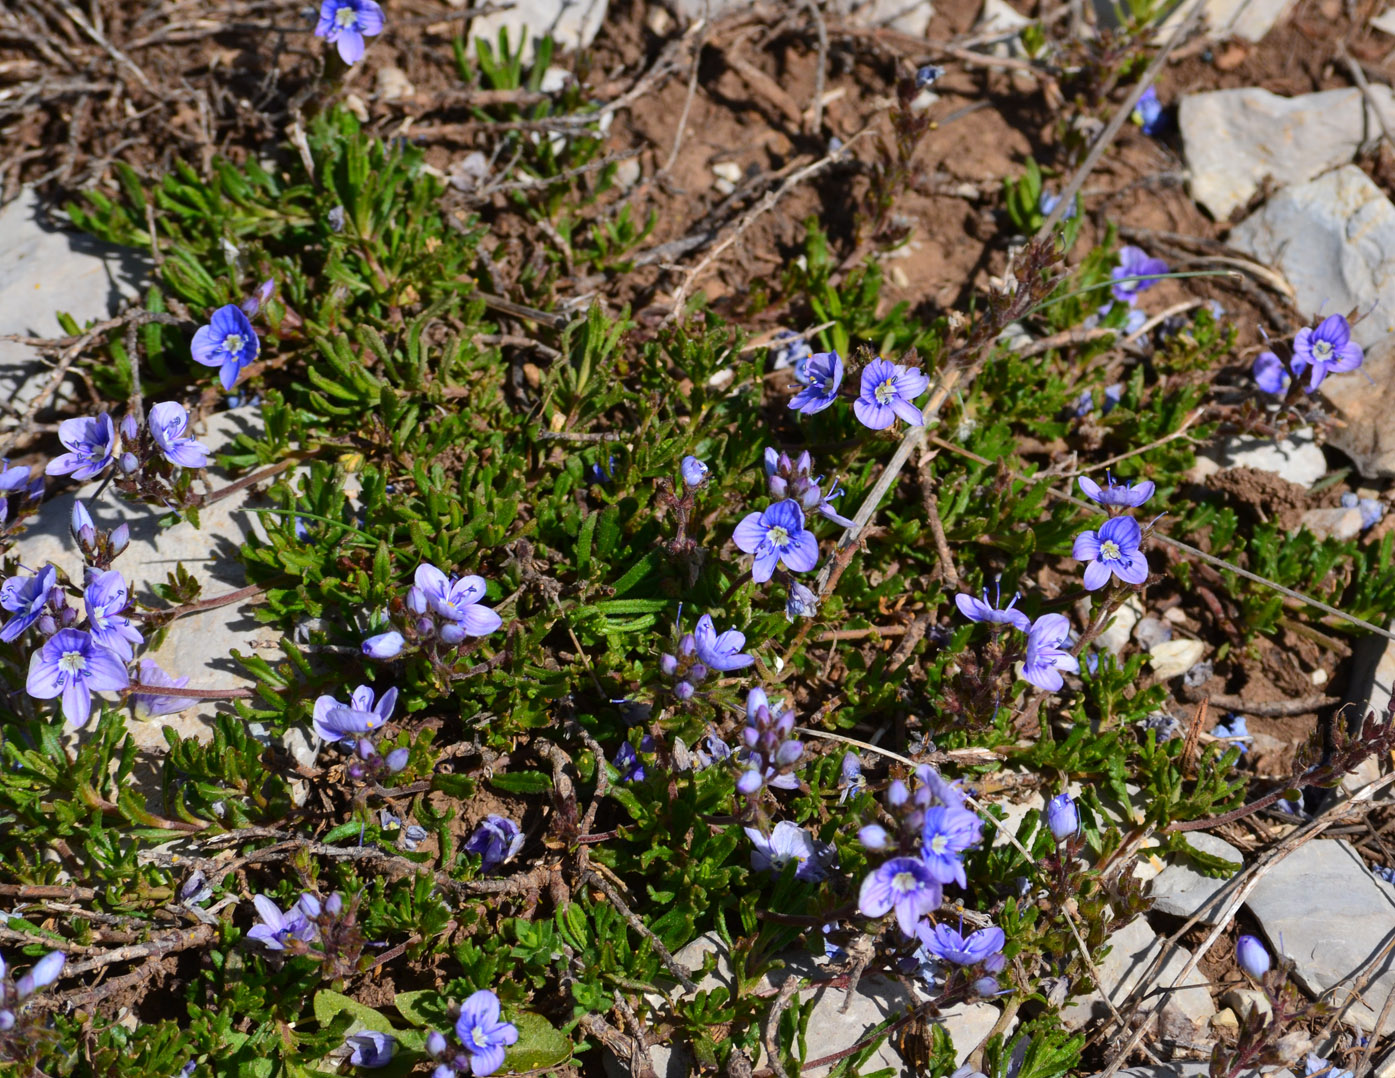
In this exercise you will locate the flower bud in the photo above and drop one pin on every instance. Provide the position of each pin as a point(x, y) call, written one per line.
point(1062, 817)
point(334, 904)
point(873, 836)
point(435, 1044)
point(696, 673)
point(425, 626)
point(129, 464)
point(7, 1021)
point(383, 646)
point(749, 782)
point(397, 760)
point(416, 600)
point(120, 538)
point(129, 427)
point(897, 794)
point(694, 472)
point(1252, 956)
point(47, 625)
point(81, 519)
point(802, 603)
point(668, 665)
point(986, 986)
point(452, 632)
point(683, 691)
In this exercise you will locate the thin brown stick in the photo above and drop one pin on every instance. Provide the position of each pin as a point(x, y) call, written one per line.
point(596, 880)
point(937, 528)
point(182, 940)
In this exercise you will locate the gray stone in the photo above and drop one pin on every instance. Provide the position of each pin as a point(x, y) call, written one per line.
point(572, 24)
point(1332, 916)
point(299, 742)
point(830, 1030)
point(1296, 458)
point(1333, 239)
point(1234, 139)
point(904, 16)
point(1171, 658)
point(44, 270)
point(1372, 680)
point(1366, 433)
point(1244, 1000)
point(1385, 21)
point(1182, 891)
point(197, 646)
point(1334, 523)
point(1150, 632)
point(1133, 948)
point(1246, 19)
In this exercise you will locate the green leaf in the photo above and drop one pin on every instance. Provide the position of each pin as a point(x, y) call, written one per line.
point(539, 1045)
point(521, 782)
point(423, 1008)
point(328, 1004)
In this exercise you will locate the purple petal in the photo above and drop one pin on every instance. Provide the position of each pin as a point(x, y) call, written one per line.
point(764, 566)
point(908, 411)
point(351, 46)
point(480, 620)
point(1089, 488)
point(873, 416)
point(1096, 575)
point(205, 346)
point(45, 678)
point(749, 534)
point(803, 552)
point(1086, 546)
point(1135, 570)
point(77, 702)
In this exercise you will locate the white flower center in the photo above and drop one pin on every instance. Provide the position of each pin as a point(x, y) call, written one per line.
point(72, 662)
point(478, 1038)
point(939, 843)
point(1109, 551)
point(903, 882)
point(778, 536)
point(1322, 349)
point(346, 17)
point(886, 392)
point(233, 343)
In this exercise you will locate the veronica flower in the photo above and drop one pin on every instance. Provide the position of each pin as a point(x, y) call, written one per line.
point(345, 23)
point(926, 75)
point(823, 371)
point(946, 833)
point(1047, 202)
point(1117, 494)
point(1148, 113)
point(1317, 1067)
point(888, 390)
point(458, 601)
point(770, 751)
point(1328, 349)
point(91, 447)
point(13, 477)
point(903, 884)
point(1252, 956)
point(1112, 550)
point(983, 610)
point(228, 342)
point(483, 1034)
point(1062, 817)
point(25, 597)
point(296, 925)
point(72, 665)
point(384, 646)
point(370, 1048)
point(802, 602)
point(719, 652)
point(850, 777)
point(1134, 263)
point(334, 721)
point(253, 303)
point(168, 421)
point(149, 705)
point(777, 536)
point(694, 472)
point(715, 751)
point(106, 597)
point(1045, 656)
point(788, 842)
point(496, 839)
point(628, 763)
point(945, 943)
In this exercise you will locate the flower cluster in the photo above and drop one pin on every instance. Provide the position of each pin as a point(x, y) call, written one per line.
point(496, 839)
point(788, 843)
point(326, 931)
point(771, 754)
point(1321, 350)
point(482, 1035)
point(1046, 655)
point(1113, 550)
point(437, 607)
point(14, 1019)
point(886, 390)
point(700, 652)
point(792, 479)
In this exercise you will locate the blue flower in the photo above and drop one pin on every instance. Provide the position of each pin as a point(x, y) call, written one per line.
point(718, 652)
point(694, 472)
point(777, 536)
point(903, 884)
point(1047, 202)
point(371, 1048)
point(346, 23)
point(824, 373)
point(1112, 550)
point(983, 610)
point(1117, 494)
point(945, 943)
point(802, 602)
point(771, 754)
point(384, 646)
point(228, 342)
point(457, 600)
point(888, 390)
point(628, 763)
point(295, 925)
point(1062, 817)
point(1045, 657)
point(1372, 511)
point(150, 705)
point(1328, 349)
point(1317, 1067)
point(1149, 114)
point(1134, 264)
point(1252, 956)
point(496, 839)
point(483, 1034)
point(91, 447)
point(25, 597)
point(788, 842)
point(334, 721)
point(72, 665)
point(106, 596)
point(926, 75)
point(790, 349)
point(168, 421)
point(946, 833)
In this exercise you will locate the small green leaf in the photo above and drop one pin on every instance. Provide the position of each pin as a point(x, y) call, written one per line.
point(329, 1004)
point(521, 782)
point(539, 1044)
